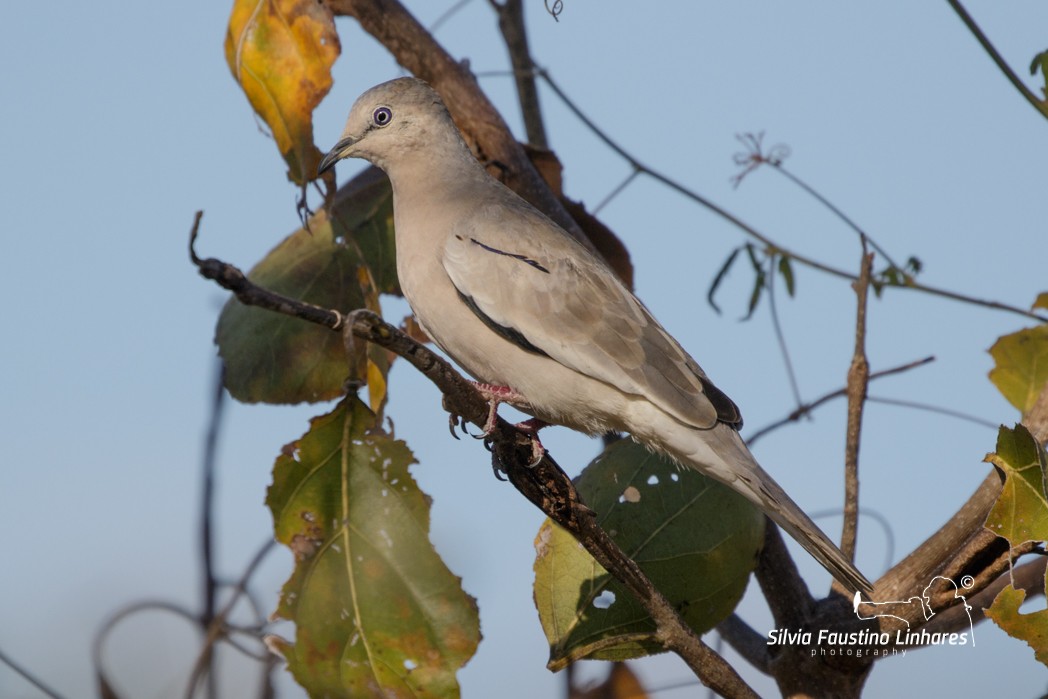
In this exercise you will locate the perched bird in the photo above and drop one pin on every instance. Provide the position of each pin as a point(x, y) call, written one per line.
point(526, 309)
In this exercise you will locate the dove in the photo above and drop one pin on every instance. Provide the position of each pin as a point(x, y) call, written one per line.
point(538, 319)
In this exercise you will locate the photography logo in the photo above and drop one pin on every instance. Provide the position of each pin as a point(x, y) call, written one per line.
point(882, 643)
point(898, 609)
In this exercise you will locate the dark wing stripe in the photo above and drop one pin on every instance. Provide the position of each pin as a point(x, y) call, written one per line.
point(514, 336)
point(515, 256)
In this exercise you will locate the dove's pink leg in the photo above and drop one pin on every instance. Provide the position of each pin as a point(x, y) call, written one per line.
point(504, 394)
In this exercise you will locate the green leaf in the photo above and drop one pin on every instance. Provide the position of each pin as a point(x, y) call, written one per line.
point(1021, 365)
point(786, 269)
point(341, 263)
point(721, 273)
point(281, 53)
point(1021, 511)
point(1031, 628)
point(1041, 61)
point(696, 539)
point(376, 611)
point(362, 213)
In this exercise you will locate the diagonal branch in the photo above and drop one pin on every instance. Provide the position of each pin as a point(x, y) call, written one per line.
point(1038, 104)
point(808, 408)
point(545, 484)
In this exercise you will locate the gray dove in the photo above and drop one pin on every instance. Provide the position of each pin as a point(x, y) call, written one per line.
point(542, 321)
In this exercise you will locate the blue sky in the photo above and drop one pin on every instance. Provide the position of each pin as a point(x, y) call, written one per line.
point(120, 120)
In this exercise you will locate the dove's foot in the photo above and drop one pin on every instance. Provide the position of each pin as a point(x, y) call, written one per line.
point(531, 428)
point(496, 395)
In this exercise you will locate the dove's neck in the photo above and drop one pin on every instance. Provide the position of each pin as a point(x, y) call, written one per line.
point(431, 184)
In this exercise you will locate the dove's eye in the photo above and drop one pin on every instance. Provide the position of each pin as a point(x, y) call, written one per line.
point(382, 116)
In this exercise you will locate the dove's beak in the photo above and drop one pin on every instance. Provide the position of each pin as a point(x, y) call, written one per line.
point(335, 154)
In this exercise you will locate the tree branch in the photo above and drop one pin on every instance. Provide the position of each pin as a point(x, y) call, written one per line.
point(807, 408)
point(545, 484)
point(1040, 105)
point(858, 385)
point(514, 33)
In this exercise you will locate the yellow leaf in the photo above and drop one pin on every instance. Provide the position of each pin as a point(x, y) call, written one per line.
point(1021, 365)
point(376, 386)
point(1031, 628)
point(281, 53)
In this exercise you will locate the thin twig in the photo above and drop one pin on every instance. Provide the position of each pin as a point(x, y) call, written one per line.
point(858, 386)
point(207, 496)
point(779, 336)
point(753, 232)
point(28, 676)
point(808, 408)
point(217, 628)
point(1038, 104)
point(928, 407)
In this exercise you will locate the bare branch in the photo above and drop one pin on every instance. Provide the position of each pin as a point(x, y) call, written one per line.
point(858, 386)
point(28, 676)
point(1038, 104)
point(746, 642)
point(786, 592)
point(753, 232)
point(807, 408)
point(514, 33)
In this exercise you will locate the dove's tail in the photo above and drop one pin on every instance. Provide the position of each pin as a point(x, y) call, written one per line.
point(720, 453)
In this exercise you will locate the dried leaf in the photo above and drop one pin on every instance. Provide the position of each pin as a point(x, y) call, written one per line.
point(1021, 366)
point(1041, 301)
point(376, 611)
point(621, 683)
point(281, 53)
point(696, 539)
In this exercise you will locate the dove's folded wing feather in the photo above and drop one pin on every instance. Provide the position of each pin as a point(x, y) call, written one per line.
point(538, 288)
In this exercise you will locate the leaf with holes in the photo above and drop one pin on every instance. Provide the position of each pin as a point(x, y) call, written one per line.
point(1021, 511)
point(696, 539)
point(1021, 365)
point(341, 263)
point(281, 53)
point(376, 611)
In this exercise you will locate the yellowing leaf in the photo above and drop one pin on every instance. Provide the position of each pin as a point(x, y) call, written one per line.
point(281, 53)
point(274, 358)
point(1041, 301)
point(1021, 511)
point(376, 611)
point(696, 539)
point(1031, 628)
point(621, 683)
point(340, 263)
point(1021, 365)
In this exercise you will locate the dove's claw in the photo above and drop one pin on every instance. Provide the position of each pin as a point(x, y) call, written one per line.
point(531, 428)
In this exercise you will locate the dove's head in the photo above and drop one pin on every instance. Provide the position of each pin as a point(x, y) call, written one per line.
point(391, 122)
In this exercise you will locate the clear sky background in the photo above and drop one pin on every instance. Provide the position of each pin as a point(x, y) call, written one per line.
point(121, 119)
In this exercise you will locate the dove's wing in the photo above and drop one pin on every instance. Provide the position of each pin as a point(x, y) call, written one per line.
point(532, 284)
